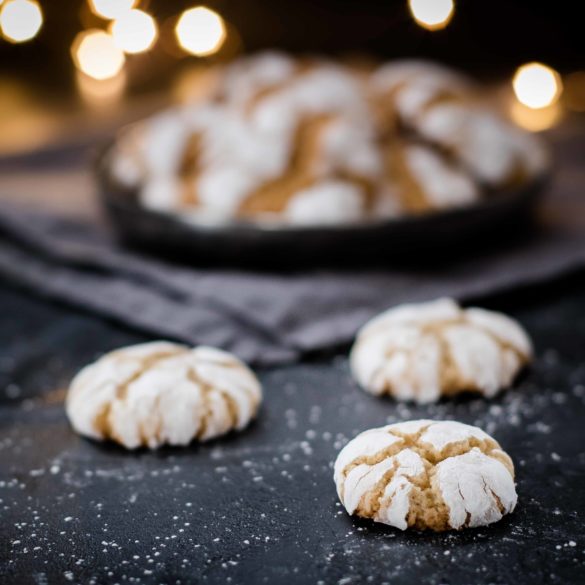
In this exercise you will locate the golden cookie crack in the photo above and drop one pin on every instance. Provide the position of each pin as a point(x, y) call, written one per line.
point(206, 412)
point(145, 364)
point(101, 421)
point(412, 195)
point(451, 381)
point(274, 194)
point(426, 505)
point(369, 504)
point(392, 450)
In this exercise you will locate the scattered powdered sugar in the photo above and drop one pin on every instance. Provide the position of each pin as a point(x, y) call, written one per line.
point(101, 515)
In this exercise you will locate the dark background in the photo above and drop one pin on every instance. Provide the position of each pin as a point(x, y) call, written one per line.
point(485, 37)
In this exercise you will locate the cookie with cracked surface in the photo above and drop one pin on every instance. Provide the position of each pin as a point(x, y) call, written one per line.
point(404, 89)
point(427, 475)
point(492, 150)
point(282, 140)
point(423, 351)
point(162, 393)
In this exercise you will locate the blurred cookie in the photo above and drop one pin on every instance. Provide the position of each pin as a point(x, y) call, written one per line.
point(496, 153)
point(424, 179)
point(309, 142)
point(423, 351)
point(404, 89)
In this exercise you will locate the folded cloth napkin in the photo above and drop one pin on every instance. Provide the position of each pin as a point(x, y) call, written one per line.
point(270, 318)
point(264, 318)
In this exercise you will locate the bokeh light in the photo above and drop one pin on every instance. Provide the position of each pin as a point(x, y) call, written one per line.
point(195, 84)
point(200, 31)
point(111, 9)
point(102, 94)
point(536, 120)
point(134, 32)
point(537, 85)
point(432, 14)
point(95, 53)
point(574, 92)
point(20, 20)
point(25, 121)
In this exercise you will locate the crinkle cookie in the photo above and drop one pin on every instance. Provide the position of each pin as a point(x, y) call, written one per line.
point(426, 475)
point(424, 351)
point(162, 393)
point(403, 90)
point(491, 150)
point(443, 109)
point(281, 140)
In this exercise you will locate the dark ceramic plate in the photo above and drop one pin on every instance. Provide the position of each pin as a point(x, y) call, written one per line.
point(405, 239)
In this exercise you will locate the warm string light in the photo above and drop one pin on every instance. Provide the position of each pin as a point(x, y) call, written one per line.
point(574, 92)
point(537, 89)
point(200, 31)
point(20, 20)
point(195, 84)
point(111, 9)
point(95, 53)
point(432, 14)
point(99, 55)
point(100, 94)
point(134, 32)
point(25, 122)
point(536, 85)
point(535, 120)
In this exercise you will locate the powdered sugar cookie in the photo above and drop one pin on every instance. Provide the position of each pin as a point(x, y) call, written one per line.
point(423, 179)
point(282, 140)
point(496, 153)
point(404, 89)
point(162, 393)
point(427, 475)
point(424, 351)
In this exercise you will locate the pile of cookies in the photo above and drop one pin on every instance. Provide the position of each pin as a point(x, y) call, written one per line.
point(281, 140)
point(423, 474)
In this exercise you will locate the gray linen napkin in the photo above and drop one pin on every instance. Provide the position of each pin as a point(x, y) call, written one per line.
point(264, 318)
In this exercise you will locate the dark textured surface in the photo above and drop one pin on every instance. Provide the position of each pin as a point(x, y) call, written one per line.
point(260, 507)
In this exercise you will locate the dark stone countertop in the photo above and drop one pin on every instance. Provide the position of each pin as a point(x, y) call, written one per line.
point(260, 507)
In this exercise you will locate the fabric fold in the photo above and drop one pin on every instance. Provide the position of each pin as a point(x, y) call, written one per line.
point(264, 318)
